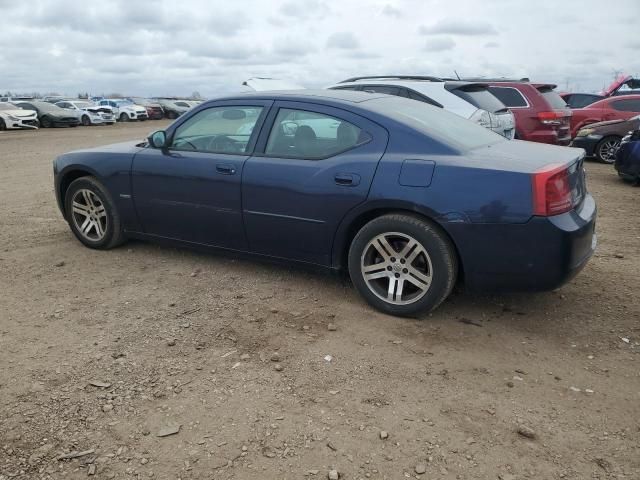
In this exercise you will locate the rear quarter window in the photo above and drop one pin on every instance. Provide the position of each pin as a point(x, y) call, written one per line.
point(480, 97)
point(510, 96)
point(553, 98)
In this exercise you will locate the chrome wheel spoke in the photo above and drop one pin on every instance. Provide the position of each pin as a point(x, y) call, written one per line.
point(414, 254)
point(376, 275)
point(98, 227)
point(418, 278)
point(87, 198)
point(80, 209)
point(391, 292)
point(375, 267)
point(385, 250)
point(410, 245)
point(100, 211)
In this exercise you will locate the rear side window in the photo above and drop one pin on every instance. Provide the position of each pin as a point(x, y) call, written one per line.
point(389, 90)
point(627, 105)
point(350, 87)
point(311, 136)
point(553, 98)
point(511, 97)
point(480, 97)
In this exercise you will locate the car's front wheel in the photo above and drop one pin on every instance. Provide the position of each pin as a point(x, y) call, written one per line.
point(402, 264)
point(607, 148)
point(86, 121)
point(92, 214)
point(124, 117)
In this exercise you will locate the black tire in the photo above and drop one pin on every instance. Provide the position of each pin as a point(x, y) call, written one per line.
point(45, 122)
point(171, 115)
point(113, 234)
point(124, 117)
point(3, 126)
point(602, 150)
point(86, 121)
point(441, 253)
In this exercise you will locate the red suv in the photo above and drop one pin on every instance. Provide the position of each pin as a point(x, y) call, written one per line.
point(621, 107)
point(541, 114)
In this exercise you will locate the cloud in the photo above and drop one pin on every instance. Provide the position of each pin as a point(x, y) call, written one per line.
point(439, 45)
point(391, 11)
point(304, 9)
point(458, 27)
point(343, 40)
point(491, 45)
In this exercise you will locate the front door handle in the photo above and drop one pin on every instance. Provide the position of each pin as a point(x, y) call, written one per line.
point(225, 169)
point(347, 179)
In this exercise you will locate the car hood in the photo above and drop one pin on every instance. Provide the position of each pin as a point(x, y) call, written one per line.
point(521, 156)
point(619, 82)
point(19, 113)
point(99, 109)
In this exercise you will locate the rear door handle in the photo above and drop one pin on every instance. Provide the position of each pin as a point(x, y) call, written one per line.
point(347, 179)
point(225, 169)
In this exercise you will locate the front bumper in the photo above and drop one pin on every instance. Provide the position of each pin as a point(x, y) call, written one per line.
point(539, 255)
point(588, 143)
point(627, 162)
point(22, 124)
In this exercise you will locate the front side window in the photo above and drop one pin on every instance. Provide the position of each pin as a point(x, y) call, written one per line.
point(312, 136)
point(511, 97)
point(217, 130)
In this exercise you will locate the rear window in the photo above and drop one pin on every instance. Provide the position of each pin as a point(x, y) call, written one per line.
point(434, 122)
point(552, 98)
point(509, 96)
point(480, 97)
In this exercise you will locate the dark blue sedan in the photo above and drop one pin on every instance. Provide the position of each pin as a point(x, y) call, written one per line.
point(407, 197)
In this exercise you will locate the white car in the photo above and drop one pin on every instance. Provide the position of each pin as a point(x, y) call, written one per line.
point(12, 117)
point(89, 113)
point(470, 100)
point(124, 110)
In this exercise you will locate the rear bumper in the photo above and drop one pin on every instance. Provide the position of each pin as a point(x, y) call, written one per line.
point(542, 254)
point(587, 143)
point(548, 136)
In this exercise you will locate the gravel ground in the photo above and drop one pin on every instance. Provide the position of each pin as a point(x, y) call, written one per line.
point(256, 371)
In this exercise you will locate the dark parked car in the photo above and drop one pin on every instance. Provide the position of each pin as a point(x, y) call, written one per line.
point(541, 114)
point(628, 157)
point(173, 108)
point(407, 197)
point(602, 139)
point(50, 115)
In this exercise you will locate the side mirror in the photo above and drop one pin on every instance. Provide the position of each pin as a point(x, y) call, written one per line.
point(158, 139)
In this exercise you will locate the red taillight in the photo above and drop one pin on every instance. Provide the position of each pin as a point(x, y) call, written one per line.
point(551, 191)
point(552, 118)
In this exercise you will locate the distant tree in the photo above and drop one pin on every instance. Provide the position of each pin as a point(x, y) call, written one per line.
point(115, 95)
point(196, 96)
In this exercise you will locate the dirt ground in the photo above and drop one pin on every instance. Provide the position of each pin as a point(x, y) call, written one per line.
point(103, 352)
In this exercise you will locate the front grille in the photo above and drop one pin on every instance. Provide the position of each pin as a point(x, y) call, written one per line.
point(29, 122)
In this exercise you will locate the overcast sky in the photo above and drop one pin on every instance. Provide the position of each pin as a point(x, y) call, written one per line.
point(162, 47)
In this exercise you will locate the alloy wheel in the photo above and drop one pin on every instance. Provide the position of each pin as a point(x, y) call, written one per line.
point(396, 268)
point(608, 149)
point(89, 215)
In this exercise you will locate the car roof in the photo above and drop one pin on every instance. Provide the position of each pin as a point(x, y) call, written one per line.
point(329, 96)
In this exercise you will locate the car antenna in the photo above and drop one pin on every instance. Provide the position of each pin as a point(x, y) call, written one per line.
point(457, 74)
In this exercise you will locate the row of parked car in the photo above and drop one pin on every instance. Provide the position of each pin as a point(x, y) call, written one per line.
point(54, 111)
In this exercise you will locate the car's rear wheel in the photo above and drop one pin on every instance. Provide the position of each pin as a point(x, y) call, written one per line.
point(3, 126)
point(607, 148)
point(45, 122)
point(86, 121)
point(92, 214)
point(402, 264)
point(124, 117)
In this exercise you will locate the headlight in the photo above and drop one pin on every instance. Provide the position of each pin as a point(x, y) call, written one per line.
point(14, 119)
point(583, 132)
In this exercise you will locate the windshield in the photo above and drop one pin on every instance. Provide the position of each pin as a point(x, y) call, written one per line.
point(435, 122)
point(48, 107)
point(122, 103)
point(480, 97)
point(84, 104)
